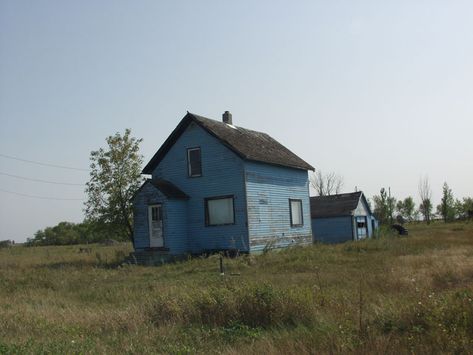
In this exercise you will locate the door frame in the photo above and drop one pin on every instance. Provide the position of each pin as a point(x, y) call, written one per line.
point(150, 217)
point(365, 228)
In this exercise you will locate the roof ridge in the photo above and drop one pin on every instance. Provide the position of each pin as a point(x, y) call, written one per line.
point(223, 124)
point(246, 144)
point(342, 194)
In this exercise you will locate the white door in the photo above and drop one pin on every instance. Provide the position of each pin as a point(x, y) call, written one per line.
point(155, 218)
point(361, 227)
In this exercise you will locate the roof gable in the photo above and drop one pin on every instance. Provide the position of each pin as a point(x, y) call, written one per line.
point(247, 144)
point(336, 205)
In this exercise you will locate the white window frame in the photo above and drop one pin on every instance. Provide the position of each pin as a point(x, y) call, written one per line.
point(291, 214)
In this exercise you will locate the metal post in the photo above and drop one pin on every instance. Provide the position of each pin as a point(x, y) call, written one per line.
point(221, 266)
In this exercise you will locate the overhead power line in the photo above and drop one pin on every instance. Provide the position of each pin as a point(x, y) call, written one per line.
point(42, 164)
point(42, 197)
point(39, 180)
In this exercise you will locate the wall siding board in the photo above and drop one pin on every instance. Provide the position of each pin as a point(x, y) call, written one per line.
point(222, 174)
point(333, 230)
point(175, 230)
point(269, 189)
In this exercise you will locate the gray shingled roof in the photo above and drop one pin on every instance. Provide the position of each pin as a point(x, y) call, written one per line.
point(248, 144)
point(167, 188)
point(334, 205)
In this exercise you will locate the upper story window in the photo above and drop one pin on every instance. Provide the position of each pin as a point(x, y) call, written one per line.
point(194, 162)
point(295, 207)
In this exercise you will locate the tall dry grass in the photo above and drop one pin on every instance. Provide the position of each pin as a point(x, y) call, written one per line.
point(390, 295)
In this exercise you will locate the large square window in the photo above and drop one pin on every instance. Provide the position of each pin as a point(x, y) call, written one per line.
point(295, 207)
point(194, 162)
point(219, 211)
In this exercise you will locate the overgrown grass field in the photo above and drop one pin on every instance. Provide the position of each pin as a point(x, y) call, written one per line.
point(390, 295)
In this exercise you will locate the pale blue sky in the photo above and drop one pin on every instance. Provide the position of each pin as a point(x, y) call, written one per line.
point(379, 91)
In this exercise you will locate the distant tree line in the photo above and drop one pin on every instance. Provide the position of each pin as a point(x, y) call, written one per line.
point(67, 233)
point(390, 210)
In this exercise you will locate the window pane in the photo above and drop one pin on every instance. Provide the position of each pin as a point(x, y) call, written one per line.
point(195, 166)
point(296, 210)
point(220, 211)
point(156, 213)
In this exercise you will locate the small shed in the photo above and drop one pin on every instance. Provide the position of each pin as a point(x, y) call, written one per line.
point(340, 218)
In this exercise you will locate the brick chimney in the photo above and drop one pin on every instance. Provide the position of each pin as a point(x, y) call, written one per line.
point(227, 117)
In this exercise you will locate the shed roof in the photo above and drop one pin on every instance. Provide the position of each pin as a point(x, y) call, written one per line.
point(335, 205)
point(248, 144)
point(167, 188)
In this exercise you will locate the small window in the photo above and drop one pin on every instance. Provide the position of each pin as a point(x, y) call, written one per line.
point(156, 213)
point(219, 211)
point(194, 162)
point(295, 207)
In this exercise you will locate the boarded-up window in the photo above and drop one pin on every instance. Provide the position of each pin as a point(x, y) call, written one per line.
point(295, 207)
point(194, 162)
point(219, 211)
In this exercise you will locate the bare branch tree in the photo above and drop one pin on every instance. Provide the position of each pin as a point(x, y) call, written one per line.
point(326, 184)
point(425, 193)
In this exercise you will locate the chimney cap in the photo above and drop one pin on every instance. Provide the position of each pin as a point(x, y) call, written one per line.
point(227, 117)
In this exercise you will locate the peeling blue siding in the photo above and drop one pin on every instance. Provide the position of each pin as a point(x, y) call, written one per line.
point(222, 174)
point(269, 189)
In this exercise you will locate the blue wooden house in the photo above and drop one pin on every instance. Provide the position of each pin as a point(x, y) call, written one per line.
point(216, 186)
point(340, 218)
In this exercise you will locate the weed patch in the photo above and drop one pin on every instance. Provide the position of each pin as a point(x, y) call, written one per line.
point(249, 305)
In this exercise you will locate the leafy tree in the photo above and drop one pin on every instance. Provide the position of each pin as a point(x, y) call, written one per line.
point(114, 178)
point(425, 209)
point(384, 207)
point(446, 209)
point(425, 193)
point(406, 208)
point(63, 233)
point(464, 208)
point(458, 208)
